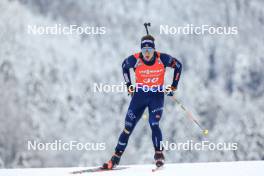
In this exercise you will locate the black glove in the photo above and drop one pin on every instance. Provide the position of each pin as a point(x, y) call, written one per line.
point(170, 91)
point(130, 90)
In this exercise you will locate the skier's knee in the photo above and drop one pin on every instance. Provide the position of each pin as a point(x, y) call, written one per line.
point(154, 125)
point(127, 131)
point(128, 127)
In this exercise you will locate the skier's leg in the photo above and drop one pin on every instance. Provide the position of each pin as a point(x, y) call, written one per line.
point(155, 112)
point(134, 113)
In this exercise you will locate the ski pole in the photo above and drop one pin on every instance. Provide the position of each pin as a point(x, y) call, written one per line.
point(190, 115)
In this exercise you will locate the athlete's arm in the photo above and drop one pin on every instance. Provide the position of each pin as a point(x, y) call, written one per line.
point(169, 61)
point(126, 65)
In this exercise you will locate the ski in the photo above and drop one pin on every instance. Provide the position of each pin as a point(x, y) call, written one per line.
point(98, 169)
point(157, 168)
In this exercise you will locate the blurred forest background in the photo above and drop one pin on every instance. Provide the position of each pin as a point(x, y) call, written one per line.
point(46, 81)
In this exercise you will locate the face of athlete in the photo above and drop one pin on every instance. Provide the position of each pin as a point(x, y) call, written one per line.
point(147, 53)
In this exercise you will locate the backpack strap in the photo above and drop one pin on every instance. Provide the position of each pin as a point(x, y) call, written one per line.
point(158, 54)
point(137, 55)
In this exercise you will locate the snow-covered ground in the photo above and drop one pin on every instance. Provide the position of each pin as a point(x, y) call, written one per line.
point(47, 81)
point(241, 168)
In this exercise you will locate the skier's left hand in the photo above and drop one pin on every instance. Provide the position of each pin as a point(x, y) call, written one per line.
point(170, 91)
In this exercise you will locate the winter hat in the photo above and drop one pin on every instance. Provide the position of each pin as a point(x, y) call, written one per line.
point(147, 41)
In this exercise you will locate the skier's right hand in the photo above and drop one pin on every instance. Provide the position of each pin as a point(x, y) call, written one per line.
point(130, 90)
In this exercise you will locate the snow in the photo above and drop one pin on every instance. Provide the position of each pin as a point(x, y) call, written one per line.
point(241, 168)
point(46, 81)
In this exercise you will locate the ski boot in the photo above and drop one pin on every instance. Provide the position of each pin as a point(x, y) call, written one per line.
point(113, 162)
point(159, 158)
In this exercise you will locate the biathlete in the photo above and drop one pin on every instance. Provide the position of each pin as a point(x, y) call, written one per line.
point(149, 66)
